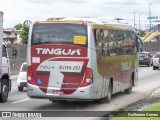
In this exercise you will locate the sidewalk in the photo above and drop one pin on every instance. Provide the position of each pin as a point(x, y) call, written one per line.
point(155, 93)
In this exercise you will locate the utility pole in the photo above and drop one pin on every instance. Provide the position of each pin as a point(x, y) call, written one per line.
point(135, 20)
point(150, 16)
point(140, 20)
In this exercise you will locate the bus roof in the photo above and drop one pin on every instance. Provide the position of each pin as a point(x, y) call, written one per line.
point(94, 22)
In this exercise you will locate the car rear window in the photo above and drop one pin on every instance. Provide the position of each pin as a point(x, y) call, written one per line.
point(142, 55)
point(24, 68)
point(157, 56)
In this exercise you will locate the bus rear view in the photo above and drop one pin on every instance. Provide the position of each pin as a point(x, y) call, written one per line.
point(57, 61)
point(81, 59)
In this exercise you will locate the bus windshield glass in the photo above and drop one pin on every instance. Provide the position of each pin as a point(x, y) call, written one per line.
point(59, 33)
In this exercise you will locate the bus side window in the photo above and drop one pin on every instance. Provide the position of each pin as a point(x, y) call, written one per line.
point(4, 52)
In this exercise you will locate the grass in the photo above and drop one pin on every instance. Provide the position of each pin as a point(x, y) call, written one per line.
point(153, 109)
point(135, 118)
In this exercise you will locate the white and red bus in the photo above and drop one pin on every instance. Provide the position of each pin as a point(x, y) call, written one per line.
point(79, 59)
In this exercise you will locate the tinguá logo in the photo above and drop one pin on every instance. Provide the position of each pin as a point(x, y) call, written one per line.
point(58, 51)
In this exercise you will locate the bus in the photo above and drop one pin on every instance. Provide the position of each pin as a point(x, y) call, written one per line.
point(81, 59)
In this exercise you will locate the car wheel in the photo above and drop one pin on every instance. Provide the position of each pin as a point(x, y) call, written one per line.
point(4, 90)
point(149, 65)
point(154, 68)
point(20, 88)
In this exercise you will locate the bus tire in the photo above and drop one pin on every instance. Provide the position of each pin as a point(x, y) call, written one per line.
point(129, 90)
point(4, 90)
point(108, 98)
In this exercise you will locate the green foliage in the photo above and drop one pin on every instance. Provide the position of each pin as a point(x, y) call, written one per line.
point(154, 107)
point(141, 33)
point(135, 118)
point(18, 26)
point(24, 34)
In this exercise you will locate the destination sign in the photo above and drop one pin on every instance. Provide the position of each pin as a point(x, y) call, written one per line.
point(153, 17)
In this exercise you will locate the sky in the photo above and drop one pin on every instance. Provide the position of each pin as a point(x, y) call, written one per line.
point(18, 11)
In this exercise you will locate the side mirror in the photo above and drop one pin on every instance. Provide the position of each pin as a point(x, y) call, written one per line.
point(140, 44)
point(14, 53)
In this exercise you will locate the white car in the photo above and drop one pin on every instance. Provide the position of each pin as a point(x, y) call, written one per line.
point(22, 77)
point(156, 61)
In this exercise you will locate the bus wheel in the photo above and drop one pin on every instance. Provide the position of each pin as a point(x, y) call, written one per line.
point(109, 95)
point(4, 91)
point(129, 90)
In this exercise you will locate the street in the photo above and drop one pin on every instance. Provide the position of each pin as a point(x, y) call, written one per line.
point(19, 101)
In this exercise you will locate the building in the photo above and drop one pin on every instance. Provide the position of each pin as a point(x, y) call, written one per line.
point(12, 36)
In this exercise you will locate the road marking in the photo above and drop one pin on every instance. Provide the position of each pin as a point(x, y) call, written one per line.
point(20, 101)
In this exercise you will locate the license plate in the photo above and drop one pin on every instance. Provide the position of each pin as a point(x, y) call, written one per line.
point(57, 92)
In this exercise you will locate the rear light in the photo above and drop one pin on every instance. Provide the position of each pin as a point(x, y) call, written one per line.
point(29, 71)
point(84, 23)
point(88, 78)
point(154, 60)
point(37, 22)
point(146, 55)
point(30, 75)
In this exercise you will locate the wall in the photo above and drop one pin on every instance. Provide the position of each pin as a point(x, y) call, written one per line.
point(21, 57)
point(152, 47)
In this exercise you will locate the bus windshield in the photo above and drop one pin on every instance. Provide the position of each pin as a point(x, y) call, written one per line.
point(59, 33)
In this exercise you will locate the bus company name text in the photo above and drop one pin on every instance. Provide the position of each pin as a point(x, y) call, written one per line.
point(58, 51)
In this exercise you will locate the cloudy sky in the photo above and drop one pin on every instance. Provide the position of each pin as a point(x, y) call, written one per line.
point(17, 11)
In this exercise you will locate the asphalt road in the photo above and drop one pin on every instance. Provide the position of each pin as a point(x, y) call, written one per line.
point(149, 80)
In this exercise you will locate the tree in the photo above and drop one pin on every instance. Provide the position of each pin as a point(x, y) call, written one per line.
point(24, 34)
point(141, 33)
point(18, 26)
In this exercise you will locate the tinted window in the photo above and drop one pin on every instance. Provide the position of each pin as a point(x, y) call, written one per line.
point(24, 68)
point(157, 56)
point(115, 42)
point(59, 33)
point(142, 55)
